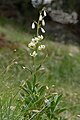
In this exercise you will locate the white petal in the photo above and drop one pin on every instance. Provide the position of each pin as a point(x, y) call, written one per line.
point(40, 17)
point(42, 37)
point(43, 31)
point(34, 54)
point(43, 22)
point(33, 25)
point(45, 13)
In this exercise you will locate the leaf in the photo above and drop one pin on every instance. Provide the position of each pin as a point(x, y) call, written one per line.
point(34, 81)
point(38, 67)
point(29, 70)
point(54, 102)
point(58, 111)
point(23, 88)
point(57, 99)
point(29, 85)
point(39, 102)
point(41, 90)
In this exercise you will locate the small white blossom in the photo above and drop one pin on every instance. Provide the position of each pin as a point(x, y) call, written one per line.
point(78, 116)
point(42, 68)
point(12, 108)
point(45, 13)
point(16, 62)
point(34, 54)
point(14, 50)
point(53, 85)
point(40, 37)
point(43, 22)
point(33, 25)
point(23, 67)
point(41, 47)
point(47, 87)
point(35, 40)
point(31, 45)
point(46, 101)
point(70, 54)
point(43, 31)
point(40, 17)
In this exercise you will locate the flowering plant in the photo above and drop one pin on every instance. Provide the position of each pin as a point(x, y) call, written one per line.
point(37, 102)
point(35, 45)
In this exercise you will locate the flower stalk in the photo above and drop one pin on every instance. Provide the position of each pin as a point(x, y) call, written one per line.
point(35, 45)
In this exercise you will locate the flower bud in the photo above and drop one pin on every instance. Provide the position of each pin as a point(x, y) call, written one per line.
point(33, 25)
point(43, 31)
point(40, 17)
point(43, 22)
point(45, 13)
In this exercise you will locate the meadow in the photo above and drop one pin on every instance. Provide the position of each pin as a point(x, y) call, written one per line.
point(61, 71)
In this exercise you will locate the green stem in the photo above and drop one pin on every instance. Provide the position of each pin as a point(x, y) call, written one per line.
point(38, 28)
point(34, 73)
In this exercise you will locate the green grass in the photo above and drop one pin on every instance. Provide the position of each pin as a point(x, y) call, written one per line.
point(62, 68)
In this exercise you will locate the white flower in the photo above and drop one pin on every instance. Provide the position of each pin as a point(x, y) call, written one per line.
point(33, 25)
point(31, 45)
point(16, 62)
point(34, 54)
point(43, 31)
point(24, 67)
point(78, 116)
point(45, 13)
point(40, 17)
point(41, 47)
point(35, 40)
point(12, 108)
point(70, 54)
point(47, 87)
point(46, 101)
point(40, 37)
point(43, 22)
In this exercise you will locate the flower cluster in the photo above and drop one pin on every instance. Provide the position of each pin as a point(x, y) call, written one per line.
point(40, 22)
point(55, 11)
point(35, 44)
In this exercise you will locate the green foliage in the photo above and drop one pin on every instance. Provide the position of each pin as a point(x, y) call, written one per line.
point(8, 111)
point(38, 104)
point(62, 69)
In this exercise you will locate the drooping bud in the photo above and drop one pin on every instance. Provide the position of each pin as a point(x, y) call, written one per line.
point(43, 31)
point(43, 22)
point(40, 17)
point(45, 13)
point(33, 25)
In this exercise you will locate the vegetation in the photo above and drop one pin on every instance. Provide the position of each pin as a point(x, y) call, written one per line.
point(60, 73)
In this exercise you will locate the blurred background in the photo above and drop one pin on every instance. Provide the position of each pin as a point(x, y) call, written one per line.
point(62, 40)
point(63, 20)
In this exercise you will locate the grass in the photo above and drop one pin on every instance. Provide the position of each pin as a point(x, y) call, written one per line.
point(62, 68)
